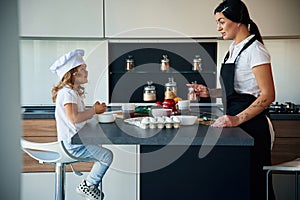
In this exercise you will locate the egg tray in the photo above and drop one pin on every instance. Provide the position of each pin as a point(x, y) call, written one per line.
point(154, 122)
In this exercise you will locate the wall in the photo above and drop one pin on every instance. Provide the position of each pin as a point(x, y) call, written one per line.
point(285, 65)
point(37, 80)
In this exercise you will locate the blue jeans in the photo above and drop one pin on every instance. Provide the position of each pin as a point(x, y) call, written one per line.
point(103, 159)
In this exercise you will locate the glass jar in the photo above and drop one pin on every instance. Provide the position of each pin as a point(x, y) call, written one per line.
point(129, 63)
point(192, 96)
point(170, 89)
point(149, 92)
point(197, 66)
point(165, 65)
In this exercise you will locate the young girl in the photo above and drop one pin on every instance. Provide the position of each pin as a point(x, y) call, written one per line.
point(71, 115)
point(247, 85)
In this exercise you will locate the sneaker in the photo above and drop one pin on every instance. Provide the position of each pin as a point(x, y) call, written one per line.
point(90, 192)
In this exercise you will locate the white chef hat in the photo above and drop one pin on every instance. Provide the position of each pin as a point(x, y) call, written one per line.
point(67, 62)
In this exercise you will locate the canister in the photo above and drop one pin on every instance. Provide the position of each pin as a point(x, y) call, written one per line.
point(149, 92)
point(170, 89)
point(165, 64)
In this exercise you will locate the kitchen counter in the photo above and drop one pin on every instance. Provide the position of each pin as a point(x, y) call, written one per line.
point(38, 112)
point(284, 116)
point(47, 112)
point(123, 133)
point(190, 160)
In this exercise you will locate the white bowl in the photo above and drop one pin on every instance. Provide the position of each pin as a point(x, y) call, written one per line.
point(106, 118)
point(187, 119)
point(160, 112)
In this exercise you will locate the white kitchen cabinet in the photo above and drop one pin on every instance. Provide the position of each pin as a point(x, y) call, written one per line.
point(122, 179)
point(156, 18)
point(120, 182)
point(57, 18)
point(193, 18)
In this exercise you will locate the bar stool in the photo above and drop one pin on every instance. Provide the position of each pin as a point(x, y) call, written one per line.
point(291, 166)
point(53, 153)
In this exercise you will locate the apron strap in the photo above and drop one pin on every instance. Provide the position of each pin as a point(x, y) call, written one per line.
point(244, 47)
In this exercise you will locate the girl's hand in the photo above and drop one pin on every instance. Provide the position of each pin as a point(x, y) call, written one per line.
point(99, 107)
point(200, 90)
point(226, 121)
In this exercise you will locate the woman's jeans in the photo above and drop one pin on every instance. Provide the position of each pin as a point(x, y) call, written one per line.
point(102, 156)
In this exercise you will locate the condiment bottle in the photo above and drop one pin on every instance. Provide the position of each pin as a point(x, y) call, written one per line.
point(129, 63)
point(149, 92)
point(170, 89)
point(192, 96)
point(197, 66)
point(165, 65)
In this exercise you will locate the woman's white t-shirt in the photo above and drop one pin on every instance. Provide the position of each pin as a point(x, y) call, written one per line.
point(65, 128)
point(256, 54)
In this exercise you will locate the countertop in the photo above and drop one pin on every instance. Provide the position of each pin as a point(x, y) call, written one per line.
point(123, 133)
point(47, 112)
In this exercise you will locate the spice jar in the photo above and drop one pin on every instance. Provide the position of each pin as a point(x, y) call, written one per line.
point(149, 92)
point(197, 63)
point(129, 63)
point(191, 94)
point(165, 65)
point(170, 89)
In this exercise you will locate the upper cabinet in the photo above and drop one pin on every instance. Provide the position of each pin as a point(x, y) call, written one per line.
point(156, 18)
point(275, 18)
point(57, 18)
point(147, 19)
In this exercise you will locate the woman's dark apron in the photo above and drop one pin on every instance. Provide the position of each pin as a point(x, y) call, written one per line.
point(257, 127)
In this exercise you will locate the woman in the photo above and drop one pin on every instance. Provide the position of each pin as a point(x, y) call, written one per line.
point(71, 115)
point(247, 84)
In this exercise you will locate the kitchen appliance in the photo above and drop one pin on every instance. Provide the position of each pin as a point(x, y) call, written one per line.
point(283, 108)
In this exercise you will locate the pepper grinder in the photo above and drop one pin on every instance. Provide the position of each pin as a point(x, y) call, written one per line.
point(165, 63)
point(129, 63)
point(197, 63)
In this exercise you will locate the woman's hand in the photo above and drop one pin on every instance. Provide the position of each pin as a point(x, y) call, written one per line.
point(99, 107)
point(200, 90)
point(226, 121)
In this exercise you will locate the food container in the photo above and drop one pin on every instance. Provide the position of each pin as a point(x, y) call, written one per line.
point(149, 92)
point(192, 96)
point(106, 118)
point(129, 63)
point(159, 112)
point(186, 120)
point(165, 65)
point(170, 89)
point(197, 66)
point(128, 110)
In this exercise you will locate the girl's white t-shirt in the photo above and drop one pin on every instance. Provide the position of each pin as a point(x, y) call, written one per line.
point(65, 128)
point(256, 54)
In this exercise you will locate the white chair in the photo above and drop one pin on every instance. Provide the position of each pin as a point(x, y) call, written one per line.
point(291, 166)
point(53, 153)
